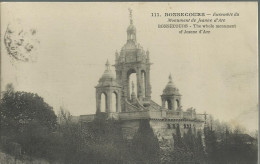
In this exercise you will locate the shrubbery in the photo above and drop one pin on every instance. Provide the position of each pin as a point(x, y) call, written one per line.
point(30, 125)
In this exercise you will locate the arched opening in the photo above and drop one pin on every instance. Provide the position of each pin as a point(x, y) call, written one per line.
point(132, 79)
point(114, 102)
point(169, 104)
point(103, 103)
point(143, 82)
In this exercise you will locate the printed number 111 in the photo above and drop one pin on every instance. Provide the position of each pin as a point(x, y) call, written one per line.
point(155, 14)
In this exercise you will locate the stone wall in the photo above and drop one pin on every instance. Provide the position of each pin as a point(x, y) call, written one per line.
point(129, 128)
point(8, 159)
point(163, 129)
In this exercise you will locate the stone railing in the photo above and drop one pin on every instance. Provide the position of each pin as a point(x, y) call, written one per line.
point(188, 115)
point(200, 117)
point(139, 105)
point(134, 115)
point(157, 114)
point(87, 118)
point(154, 105)
point(129, 107)
point(113, 115)
point(174, 114)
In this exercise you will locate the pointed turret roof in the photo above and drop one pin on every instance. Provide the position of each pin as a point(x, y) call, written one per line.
point(108, 73)
point(108, 77)
point(131, 27)
point(170, 88)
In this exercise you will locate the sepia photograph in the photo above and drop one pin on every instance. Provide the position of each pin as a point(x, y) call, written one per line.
point(129, 83)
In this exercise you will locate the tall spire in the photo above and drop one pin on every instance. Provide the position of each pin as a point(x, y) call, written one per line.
point(107, 65)
point(130, 15)
point(170, 77)
point(131, 31)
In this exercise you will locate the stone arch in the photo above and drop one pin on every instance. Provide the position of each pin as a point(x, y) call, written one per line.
point(130, 71)
point(169, 104)
point(176, 103)
point(131, 76)
point(131, 36)
point(103, 102)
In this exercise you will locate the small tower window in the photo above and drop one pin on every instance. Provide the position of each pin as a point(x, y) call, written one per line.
point(132, 78)
point(169, 104)
point(114, 102)
point(176, 104)
point(103, 103)
point(168, 126)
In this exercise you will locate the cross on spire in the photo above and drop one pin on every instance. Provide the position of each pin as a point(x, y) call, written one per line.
point(108, 65)
point(130, 15)
point(170, 77)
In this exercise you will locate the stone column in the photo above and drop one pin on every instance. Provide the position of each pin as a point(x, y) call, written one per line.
point(98, 101)
point(122, 100)
point(139, 86)
point(179, 101)
point(125, 83)
point(118, 104)
point(163, 103)
point(173, 104)
point(109, 101)
point(142, 84)
point(148, 85)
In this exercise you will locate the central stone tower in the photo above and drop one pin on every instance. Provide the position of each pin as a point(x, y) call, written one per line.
point(133, 59)
point(131, 106)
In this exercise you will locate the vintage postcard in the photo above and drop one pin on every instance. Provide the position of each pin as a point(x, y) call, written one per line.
point(129, 83)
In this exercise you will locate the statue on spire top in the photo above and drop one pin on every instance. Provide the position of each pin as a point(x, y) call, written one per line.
point(130, 15)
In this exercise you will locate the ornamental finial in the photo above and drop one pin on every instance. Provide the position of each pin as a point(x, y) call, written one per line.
point(130, 15)
point(108, 65)
point(170, 77)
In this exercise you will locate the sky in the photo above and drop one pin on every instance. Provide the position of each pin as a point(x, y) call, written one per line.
point(215, 73)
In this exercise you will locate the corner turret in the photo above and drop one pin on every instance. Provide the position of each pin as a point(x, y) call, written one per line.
point(171, 96)
point(108, 85)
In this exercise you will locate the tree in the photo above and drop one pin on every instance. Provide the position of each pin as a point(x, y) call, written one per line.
point(9, 88)
point(64, 116)
point(145, 145)
point(100, 141)
point(26, 119)
point(187, 148)
point(177, 138)
point(22, 109)
point(199, 149)
point(211, 143)
point(189, 140)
